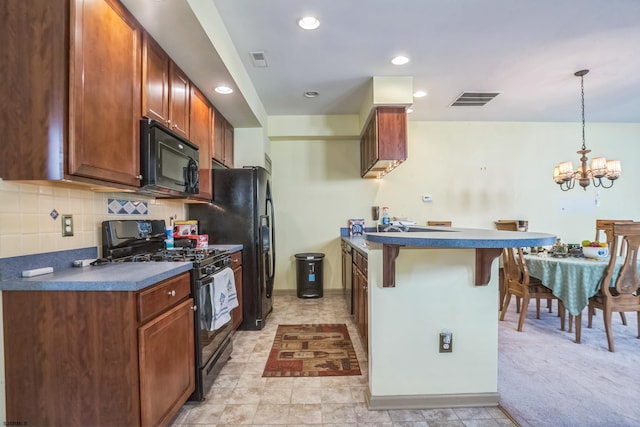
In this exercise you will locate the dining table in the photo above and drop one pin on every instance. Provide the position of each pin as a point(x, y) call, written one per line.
point(572, 279)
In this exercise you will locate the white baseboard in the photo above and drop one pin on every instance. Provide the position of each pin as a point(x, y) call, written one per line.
point(431, 401)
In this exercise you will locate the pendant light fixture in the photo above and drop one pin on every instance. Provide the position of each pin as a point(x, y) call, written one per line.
point(563, 173)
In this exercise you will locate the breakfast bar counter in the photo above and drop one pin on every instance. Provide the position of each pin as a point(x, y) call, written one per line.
point(487, 243)
point(435, 273)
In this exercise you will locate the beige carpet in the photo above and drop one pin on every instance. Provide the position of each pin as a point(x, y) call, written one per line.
point(546, 379)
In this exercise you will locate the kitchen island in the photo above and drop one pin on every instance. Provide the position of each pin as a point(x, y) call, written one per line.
point(443, 280)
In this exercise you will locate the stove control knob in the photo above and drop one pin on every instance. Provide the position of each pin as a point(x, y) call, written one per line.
point(172, 293)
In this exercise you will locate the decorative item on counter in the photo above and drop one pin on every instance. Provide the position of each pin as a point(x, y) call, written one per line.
point(386, 219)
point(356, 227)
point(203, 241)
point(185, 228)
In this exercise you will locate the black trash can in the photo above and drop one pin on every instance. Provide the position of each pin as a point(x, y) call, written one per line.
point(309, 275)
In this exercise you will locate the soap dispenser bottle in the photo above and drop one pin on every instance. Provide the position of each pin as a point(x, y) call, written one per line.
point(385, 216)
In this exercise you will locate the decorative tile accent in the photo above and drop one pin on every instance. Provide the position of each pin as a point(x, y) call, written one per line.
point(127, 207)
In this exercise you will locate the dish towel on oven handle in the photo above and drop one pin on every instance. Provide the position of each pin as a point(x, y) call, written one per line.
point(224, 297)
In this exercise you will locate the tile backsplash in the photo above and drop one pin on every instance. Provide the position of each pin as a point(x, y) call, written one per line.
point(26, 226)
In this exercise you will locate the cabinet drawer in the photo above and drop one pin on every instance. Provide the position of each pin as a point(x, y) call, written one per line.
point(162, 296)
point(236, 259)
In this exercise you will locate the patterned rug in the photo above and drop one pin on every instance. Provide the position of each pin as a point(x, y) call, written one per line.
point(311, 351)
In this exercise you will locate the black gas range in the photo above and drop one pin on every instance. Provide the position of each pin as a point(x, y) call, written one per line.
point(144, 241)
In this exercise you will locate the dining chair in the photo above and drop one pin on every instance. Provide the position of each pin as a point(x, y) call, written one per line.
point(519, 284)
point(505, 225)
point(618, 293)
point(440, 223)
point(606, 226)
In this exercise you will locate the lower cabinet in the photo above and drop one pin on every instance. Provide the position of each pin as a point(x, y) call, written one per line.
point(99, 358)
point(236, 265)
point(361, 296)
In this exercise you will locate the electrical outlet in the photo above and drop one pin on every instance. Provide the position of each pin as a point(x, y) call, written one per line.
point(67, 225)
point(446, 342)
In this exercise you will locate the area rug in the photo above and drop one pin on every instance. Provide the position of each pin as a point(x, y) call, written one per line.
point(311, 351)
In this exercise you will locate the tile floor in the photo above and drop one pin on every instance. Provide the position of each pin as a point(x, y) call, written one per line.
point(240, 396)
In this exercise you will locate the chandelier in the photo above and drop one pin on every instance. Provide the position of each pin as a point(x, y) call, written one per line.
point(564, 175)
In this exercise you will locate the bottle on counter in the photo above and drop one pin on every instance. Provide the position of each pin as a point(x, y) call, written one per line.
point(385, 216)
point(168, 242)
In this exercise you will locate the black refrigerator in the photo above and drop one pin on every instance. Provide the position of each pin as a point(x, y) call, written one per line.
point(242, 212)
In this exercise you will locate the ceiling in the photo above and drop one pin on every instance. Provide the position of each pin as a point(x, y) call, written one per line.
point(525, 49)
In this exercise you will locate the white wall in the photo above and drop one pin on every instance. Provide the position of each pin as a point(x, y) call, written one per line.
point(476, 172)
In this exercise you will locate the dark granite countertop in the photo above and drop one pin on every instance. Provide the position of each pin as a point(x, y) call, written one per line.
point(127, 276)
point(461, 238)
point(119, 276)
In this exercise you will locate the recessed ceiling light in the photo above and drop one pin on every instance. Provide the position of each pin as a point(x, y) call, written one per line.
point(224, 90)
point(419, 94)
point(399, 60)
point(309, 23)
point(311, 94)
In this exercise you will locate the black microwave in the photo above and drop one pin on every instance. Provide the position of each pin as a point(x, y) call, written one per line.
point(169, 163)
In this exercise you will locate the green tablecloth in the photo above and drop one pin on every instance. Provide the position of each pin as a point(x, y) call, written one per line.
point(573, 280)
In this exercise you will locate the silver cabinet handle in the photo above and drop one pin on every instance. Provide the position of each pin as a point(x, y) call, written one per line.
point(172, 293)
point(138, 176)
point(194, 308)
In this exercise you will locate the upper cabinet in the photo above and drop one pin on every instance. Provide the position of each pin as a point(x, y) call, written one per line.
point(222, 140)
point(72, 92)
point(201, 130)
point(383, 145)
point(105, 104)
point(165, 88)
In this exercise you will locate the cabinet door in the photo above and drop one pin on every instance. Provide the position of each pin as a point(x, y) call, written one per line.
point(167, 364)
point(365, 311)
point(104, 105)
point(228, 144)
point(218, 136)
point(236, 314)
point(202, 135)
point(178, 100)
point(155, 81)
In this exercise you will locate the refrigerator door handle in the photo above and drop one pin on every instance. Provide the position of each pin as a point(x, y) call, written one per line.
point(273, 238)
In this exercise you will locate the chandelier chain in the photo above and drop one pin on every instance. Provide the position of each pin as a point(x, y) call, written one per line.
point(584, 147)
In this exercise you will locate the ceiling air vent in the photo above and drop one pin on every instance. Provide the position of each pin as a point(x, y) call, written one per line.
point(259, 59)
point(474, 99)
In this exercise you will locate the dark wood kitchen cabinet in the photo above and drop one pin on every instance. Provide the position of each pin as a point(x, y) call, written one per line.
point(165, 88)
point(223, 140)
point(99, 358)
point(201, 131)
point(71, 92)
point(236, 265)
point(383, 144)
point(361, 296)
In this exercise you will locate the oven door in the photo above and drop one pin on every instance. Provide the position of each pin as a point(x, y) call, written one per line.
point(210, 340)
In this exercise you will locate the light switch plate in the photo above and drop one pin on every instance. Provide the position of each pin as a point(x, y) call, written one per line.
point(67, 225)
